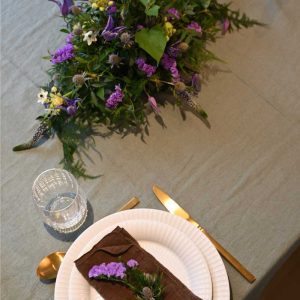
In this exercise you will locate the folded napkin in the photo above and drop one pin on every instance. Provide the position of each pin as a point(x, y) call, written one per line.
point(120, 243)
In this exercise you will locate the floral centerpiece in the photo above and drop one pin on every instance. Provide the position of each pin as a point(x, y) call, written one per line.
point(117, 57)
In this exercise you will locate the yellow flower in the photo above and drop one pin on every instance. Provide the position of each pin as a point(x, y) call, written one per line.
point(54, 89)
point(56, 100)
point(95, 5)
point(169, 29)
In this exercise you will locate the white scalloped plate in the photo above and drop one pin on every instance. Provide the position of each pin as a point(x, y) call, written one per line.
point(172, 240)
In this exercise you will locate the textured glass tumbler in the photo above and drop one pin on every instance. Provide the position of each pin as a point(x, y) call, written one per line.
point(59, 200)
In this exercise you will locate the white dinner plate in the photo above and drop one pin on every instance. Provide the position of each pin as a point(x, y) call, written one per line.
point(163, 235)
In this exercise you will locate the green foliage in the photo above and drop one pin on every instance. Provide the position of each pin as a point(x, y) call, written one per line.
point(100, 74)
point(153, 41)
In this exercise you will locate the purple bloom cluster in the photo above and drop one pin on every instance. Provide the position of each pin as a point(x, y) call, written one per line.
point(111, 9)
point(132, 263)
point(115, 98)
point(112, 269)
point(62, 54)
point(148, 69)
point(174, 12)
point(195, 26)
point(169, 63)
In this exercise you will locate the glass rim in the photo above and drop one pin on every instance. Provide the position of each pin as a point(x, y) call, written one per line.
point(58, 210)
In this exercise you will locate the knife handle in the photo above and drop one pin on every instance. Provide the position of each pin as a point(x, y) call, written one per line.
point(232, 260)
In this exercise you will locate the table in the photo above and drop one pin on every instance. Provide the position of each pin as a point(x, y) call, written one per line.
point(239, 178)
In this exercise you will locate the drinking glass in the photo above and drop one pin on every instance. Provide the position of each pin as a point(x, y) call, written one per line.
point(60, 201)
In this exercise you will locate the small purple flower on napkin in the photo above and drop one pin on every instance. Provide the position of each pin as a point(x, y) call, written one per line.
point(112, 269)
point(132, 263)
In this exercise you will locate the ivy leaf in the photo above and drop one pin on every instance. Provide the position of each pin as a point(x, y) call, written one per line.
point(205, 3)
point(153, 11)
point(152, 40)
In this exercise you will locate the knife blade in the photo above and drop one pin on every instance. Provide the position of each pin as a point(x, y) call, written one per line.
point(175, 209)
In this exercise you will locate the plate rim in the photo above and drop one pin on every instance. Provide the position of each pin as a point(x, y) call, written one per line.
point(220, 291)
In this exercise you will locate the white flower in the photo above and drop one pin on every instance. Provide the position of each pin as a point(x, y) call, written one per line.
point(42, 96)
point(90, 37)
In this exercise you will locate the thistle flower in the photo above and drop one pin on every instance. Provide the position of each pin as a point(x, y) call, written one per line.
point(76, 10)
point(114, 60)
point(183, 46)
point(115, 98)
point(179, 86)
point(90, 37)
point(42, 96)
point(195, 26)
point(64, 6)
point(147, 293)
point(78, 79)
point(125, 38)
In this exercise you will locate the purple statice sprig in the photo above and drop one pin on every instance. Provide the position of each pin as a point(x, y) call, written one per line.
point(169, 63)
point(143, 285)
point(194, 26)
point(115, 98)
point(63, 54)
point(144, 67)
point(174, 13)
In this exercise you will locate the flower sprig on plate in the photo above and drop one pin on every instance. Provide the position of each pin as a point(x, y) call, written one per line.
point(117, 57)
point(145, 286)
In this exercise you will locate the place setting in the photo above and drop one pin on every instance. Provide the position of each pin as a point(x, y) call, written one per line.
point(135, 253)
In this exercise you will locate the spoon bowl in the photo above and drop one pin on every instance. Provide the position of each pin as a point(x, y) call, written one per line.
point(49, 265)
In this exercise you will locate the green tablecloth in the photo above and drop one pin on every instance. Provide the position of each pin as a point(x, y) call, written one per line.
point(239, 179)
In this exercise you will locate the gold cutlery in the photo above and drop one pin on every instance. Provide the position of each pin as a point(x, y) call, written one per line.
point(49, 265)
point(175, 209)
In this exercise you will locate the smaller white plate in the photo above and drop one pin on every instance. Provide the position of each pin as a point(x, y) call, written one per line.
point(168, 245)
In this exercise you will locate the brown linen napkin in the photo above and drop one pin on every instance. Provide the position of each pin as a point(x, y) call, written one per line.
point(120, 243)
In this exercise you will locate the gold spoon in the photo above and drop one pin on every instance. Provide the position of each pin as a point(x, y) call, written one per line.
point(49, 265)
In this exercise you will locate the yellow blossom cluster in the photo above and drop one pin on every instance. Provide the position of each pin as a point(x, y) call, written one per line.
point(101, 4)
point(169, 29)
point(56, 98)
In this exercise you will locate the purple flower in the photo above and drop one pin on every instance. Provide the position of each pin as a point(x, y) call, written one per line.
point(146, 68)
point(174, 12)
point(110, 32)
point(154, 106)
point(195, 26)
point(225, 26)
point(64, 6)
point(112, 269)
point(69, 38)
point(111, 9)
point(63, 54)
point(169, 63)
point(71, 107)
point(115, 98)
point(132, 263)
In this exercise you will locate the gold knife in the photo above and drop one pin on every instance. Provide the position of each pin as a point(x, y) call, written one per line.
point(175, 209)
